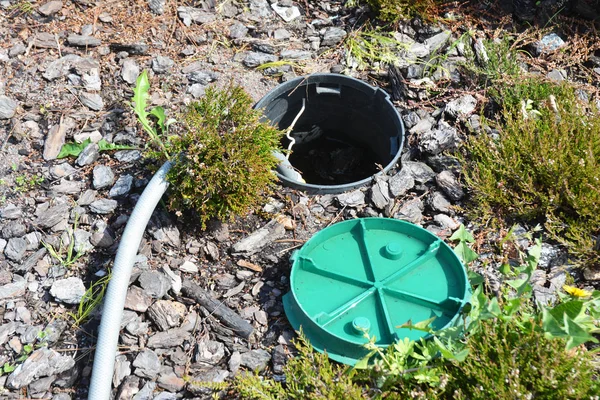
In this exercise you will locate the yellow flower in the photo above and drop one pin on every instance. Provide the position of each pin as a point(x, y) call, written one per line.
point(575, 291)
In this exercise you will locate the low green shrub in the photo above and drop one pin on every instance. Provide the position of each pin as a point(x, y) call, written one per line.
point(393, 10)
point(508, 362)
point(222, 162)
point(543, 166)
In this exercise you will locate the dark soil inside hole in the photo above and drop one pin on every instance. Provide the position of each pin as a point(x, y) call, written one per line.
point(328, 160)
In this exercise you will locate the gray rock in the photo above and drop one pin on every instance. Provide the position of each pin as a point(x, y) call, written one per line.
point(67, 187)
point(7, 107)
point(260, 9)
point(14, 289)
point(138, 49)
point(253, 59)
point(195, 15)
point(281, 34)
point(401, 183)
point(41, 385)
point(411, 211)
point(171, 338)
point(278, 359)
point(543, 295)
point(89, 155)
point(45, 40)
point(137, 299)
point(2, 245)
point(481, 52)
point(145, 392)
point(157, 7)
point(103, 238)
point(352, 199)
point(255, 360)
point(33, 240)
point(296, 55)
point(166, 314)
point(556, 75)
point(333, 36)
point(11, 212)
point(61, 170)
point(69, 290)
point(15, 249)
point(103, 206)
point(444, 137)
point(31, 261)
point(446, 222)
point(50, 8)
point(437, 42)
point(52, 216)
point(87, 198)
point(92, 100)
point(420, 172)
point(41, 363)
point(127, 156)
point(122, 369)
point(122, 186)
point(162, 229)
point(422, 126)
point(202, 77)
point(13, 229)
point(61, 396)
point(169, 381)
point(450, 185)
point(258, 239)
point(237, 30)
point(162, 64)
point(147, 364)
point(438, 202)
point(154, 283)
point(380, 195)
point(165, 396)
point(91, 80)
point(17, 49)
point(209, 352)
point(461, 107)
point(65, 64)
point(83, 41)
point(547, 44)
point(130, 71)
point(102, 177)
point(287, 13)
point(197, 90)
point(82, 241)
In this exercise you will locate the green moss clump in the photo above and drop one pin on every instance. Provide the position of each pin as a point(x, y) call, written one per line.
point(543, 166)
point(225, 164)
point(507, 362)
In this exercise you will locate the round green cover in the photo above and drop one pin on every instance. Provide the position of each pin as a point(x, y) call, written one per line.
point(373, 274)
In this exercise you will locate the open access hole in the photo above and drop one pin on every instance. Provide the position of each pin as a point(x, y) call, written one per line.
point(347, 132)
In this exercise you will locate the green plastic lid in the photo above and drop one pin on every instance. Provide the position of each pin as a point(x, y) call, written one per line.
point(373, 275)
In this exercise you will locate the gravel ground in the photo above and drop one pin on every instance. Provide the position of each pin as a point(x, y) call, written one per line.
point(67, 72)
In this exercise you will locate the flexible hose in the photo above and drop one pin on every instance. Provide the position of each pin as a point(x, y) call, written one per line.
point(114, 299)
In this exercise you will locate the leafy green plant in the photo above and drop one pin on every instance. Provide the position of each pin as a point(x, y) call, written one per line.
point(544, 166)
point(309, 375)
point(24, 183)
point(140, 100)
point(75, 149)
point(225, 156)
point(91, 299)
point(66, 256)
point(370, 45)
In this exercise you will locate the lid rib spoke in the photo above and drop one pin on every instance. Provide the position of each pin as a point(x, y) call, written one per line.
point(388, 319)
point(367, 258)
point(420, 300)
point(429, 253)
point(309, 265)
point(326, 318)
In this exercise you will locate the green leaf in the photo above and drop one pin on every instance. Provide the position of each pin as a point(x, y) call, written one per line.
point(419, 326)
point(462, 234)
point(363, 363)
point(159, 113)
point(7, 368)
point(494, 307)
point(103, 145)
point(73, 149)
point(577, 334)
point(551, 326)
point(465, 253)
point(474, 278)
point(505, 269)
point(140, 95)
point(571, 309)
